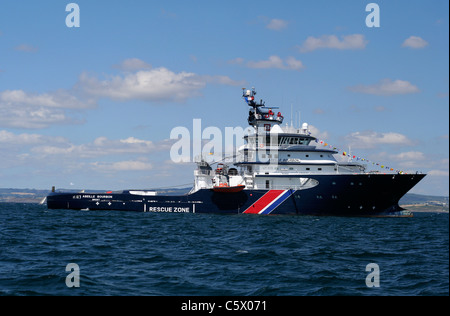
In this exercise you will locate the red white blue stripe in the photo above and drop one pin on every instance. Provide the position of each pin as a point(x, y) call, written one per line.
point(269, 202)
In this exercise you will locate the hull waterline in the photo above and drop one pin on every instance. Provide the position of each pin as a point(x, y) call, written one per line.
point(352, 195)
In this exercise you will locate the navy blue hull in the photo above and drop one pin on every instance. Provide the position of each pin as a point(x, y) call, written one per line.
point(339, 195)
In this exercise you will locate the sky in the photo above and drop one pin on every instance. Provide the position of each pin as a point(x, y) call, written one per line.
point(89, 96)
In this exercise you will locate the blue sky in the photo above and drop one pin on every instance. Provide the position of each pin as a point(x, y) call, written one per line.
point(93, 106)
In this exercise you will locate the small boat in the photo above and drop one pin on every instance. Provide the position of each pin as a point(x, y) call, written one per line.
point(224, 188)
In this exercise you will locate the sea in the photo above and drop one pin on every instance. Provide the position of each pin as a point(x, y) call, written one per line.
point(112, 253)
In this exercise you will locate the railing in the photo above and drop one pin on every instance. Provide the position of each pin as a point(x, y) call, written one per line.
point(267, 117)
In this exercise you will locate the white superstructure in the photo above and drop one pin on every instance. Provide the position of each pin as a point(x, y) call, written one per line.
point(273, 157)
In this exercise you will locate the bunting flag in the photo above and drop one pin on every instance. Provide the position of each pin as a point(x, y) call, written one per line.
point(344, 153)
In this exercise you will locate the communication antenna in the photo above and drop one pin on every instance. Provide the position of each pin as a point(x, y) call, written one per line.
point(292, 116)
point(350, 156)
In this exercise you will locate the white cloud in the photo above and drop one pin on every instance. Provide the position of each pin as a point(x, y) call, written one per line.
point(15, 148)
point(319, 111)
point(409, 160)
point(159, 84)
point(272, 62)
point(236, 61)
point(132, 64)
point(57, 155)
point(438, 173)
point(370, 139)
point(317, 133)
point(26, 48)
point(415, 160)
point(293, 64)
point(290, 63)
point(387, 87)
point(193, 58)
point(25, 139)
point(415, 42)
point(410, 155)
point(380, 108)
point(222, 80)
point(128, 165)
point(354, 41)
point(31, 118)
point(57, 99)
point(102, 146)
point(277, 24)
point(133, 140)
point(19, 109)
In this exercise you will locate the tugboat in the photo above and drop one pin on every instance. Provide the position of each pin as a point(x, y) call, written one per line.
point(280, 170)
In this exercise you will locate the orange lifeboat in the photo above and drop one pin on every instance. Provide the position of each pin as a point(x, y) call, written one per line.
point(225, 188)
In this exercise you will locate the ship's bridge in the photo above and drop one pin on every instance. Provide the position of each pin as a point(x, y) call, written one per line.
point(281, 140)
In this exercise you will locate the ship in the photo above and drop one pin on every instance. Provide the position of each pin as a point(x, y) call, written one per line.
point(279, 170)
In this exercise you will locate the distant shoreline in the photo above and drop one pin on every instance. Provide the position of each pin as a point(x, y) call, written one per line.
point(425, 208)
